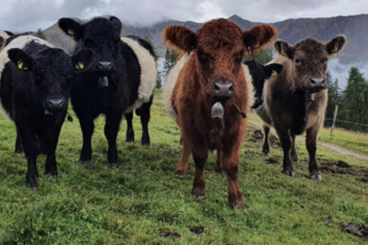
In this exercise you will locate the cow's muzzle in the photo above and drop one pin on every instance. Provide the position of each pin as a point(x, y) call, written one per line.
point(316, 85)
point(223, 91)
point(54, 104)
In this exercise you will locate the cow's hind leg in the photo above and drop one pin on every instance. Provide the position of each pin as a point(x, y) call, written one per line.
point(182, 168)
point(311, 143)
point(111, 132)
point(130, 130)
point(87, 127)
point(266, 145)
point(294, 155)
point(219, 160)
point(18, 143)
point(144, 112)
point(200, 155)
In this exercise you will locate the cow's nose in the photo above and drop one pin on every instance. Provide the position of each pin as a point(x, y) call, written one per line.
point(317, 82)
point(223, 90)
point(55, 104)
point(105, 65)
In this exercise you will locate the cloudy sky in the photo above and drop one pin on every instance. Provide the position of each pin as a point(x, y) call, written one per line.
point(29, 15)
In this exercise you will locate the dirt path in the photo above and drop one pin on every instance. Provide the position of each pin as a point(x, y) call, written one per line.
point(325, 145)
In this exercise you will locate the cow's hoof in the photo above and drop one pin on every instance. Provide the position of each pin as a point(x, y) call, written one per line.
point(84, 160)
point(180, 174)
point(289, 173)
point(18, 151)
point(237, 204)
point(32, 183)
point(198, 193)
point(265, 154)
point(53, 174)
point(146, 140)
point(130, 136)
point(315, 176)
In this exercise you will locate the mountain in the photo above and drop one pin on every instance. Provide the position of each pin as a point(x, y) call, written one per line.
point(290, 30)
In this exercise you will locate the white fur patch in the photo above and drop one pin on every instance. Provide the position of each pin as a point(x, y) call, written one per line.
point(20, 42)
point(4, 35)
point(170, 83)
point(251, 90)
point(148, 72)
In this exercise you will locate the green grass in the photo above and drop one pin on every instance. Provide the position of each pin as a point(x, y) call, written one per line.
point(138, 200)
point(357, 142)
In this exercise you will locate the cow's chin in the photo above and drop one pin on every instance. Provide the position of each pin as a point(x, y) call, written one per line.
point(315, 90)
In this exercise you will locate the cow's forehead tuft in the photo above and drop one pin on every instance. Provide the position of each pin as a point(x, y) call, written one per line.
point(311, 47)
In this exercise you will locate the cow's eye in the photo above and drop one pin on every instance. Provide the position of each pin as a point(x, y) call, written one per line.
point(297, 61)
point(202, 56)
point(239, 57)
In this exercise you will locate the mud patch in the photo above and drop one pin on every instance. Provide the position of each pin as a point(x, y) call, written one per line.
point(274, 141)
point(272, 160)
point(169, 233)
point(341, 167)
point(327, 220)
point(256, 136)
point(357, 229)
point(197, 230)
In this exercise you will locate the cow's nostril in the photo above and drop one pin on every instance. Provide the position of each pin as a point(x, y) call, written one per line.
point(216, 87)
point(231, 88)
point(313, 82)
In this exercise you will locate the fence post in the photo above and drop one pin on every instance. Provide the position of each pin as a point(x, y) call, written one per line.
point(334, 118)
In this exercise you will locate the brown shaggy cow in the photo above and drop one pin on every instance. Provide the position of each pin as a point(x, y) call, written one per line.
point(296, 99)
point(208, 92)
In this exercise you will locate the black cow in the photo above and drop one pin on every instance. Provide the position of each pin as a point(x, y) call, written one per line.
point(258, 75)
point(36, 80)
point(122, 78)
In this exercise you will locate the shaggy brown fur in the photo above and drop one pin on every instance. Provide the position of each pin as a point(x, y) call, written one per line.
point(293, 102)
point(215, 55)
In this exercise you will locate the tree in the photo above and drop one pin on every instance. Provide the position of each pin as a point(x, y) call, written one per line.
point(41, 34)
point(334, 98)
point(355, 101)
point(170, 59)
point(262, 57)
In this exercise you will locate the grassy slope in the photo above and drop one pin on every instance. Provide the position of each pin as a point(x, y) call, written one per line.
point(357, 142)
point(137, 200)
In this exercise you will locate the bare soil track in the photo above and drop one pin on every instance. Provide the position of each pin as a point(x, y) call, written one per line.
point(325, 145)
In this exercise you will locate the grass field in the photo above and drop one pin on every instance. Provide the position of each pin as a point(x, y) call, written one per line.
point(140, 202)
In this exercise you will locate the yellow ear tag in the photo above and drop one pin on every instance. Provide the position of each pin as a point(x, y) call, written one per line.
point(21, 65)
point(249, 48)
point(255, 47)
point(71, 32)
point(79, 66)
point(335, 49)
point(274, 73)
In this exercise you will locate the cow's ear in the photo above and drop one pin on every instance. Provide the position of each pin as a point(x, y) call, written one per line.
point(272, 70)
point(284, 49)
point(117, 24)
point(21, 60)
point(335, 45)
point(2, 43)
point(83, 60)
point(179, 38)
point(71, 28)
point(259, 37)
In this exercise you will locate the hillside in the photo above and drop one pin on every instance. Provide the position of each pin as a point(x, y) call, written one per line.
point(291, 30)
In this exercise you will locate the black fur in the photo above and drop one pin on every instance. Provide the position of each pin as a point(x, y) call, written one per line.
point(34, 91)
point(259, 75)
point(89, 99)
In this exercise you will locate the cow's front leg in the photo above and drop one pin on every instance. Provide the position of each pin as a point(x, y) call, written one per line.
point(182, 168)
point(200, 155)
point(130, 130)
point(52, 139)
point(87, 127)
point(29, 141)
point(285, 140)
point(265, 144)
point(111, 132)
point(311, 143)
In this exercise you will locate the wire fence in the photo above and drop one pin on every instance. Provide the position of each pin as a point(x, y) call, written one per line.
point(347, 122)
